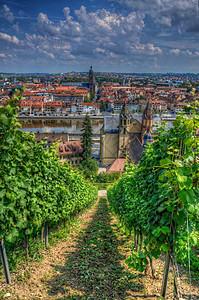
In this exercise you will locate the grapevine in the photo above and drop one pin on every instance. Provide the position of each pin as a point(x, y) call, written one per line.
point(34, 185)
point(154, 198)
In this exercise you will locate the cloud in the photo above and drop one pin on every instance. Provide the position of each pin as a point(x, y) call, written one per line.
point(168, 13)
point(175, 51)
point(164, 20)
point(100, 31)
point(12, 39)
point(99, 50)
point(2, 55)
point(103, 38)
point(68, 28)
point(7, 13)
point(186, 52)
point(148, 49)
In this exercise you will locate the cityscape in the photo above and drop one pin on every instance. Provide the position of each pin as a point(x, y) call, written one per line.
point(58, 103)
point(99, 149)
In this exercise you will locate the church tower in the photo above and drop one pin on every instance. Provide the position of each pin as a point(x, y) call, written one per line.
point(124, 124)
point(147, 119)
point(91, 84)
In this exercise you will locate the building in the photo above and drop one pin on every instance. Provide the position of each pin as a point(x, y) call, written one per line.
point(70, 151)
point(51, 137)
point(122, 136)
point(92, 83)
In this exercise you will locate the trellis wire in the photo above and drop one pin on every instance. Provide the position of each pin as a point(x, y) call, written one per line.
point(176, 265)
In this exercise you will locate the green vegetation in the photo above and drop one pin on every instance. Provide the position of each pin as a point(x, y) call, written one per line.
point(158, 197)
point(104, 177)
point(88, 166)
point(34, 186)
point(92, 95)
point(87, 100)
point(108, 79)
point(73, 79)
point(95, 267)
point(102, 106)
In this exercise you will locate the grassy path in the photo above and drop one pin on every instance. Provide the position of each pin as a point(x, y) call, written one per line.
point(90, 264)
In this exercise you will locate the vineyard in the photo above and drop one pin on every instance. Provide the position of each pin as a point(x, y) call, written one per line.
point(152, 214)
point(158, 200)
point(35, 189)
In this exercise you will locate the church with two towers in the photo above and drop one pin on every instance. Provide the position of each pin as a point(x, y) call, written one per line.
point(123, 137)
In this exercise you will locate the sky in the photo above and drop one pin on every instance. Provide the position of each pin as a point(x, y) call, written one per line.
point(49, 36)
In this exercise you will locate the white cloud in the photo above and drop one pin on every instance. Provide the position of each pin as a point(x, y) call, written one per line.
point(8, 14)
point(2, 55)
point(153, 50)
point(99, 50)
point(167, 13)
point(164, 20)
point(148, 49)
point(186, 52)
point(13, 39)
point(175, 51)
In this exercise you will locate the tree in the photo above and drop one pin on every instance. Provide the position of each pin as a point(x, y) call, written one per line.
point(86, 140)
point(102, 106)
point(87, 165)
point(86, 99)
point(92, 95)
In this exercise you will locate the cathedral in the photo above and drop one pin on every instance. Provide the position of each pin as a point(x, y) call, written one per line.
point(92, 83)
point(123, 137)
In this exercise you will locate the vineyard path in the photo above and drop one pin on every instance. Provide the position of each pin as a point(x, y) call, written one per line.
point(90, 264)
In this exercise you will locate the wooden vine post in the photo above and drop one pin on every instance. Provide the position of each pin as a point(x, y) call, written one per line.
point(46, 233)
point(5, 262)
point(165, 276)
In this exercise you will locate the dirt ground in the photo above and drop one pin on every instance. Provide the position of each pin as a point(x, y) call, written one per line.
point(91, 265)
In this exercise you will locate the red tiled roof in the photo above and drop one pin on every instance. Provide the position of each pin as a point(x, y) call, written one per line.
point(118, 165)
point(70, 147)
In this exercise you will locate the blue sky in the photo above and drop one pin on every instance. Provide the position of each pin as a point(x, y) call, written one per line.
point(112, 35)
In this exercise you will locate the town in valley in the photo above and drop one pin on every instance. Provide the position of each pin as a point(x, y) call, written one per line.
point(123, 109)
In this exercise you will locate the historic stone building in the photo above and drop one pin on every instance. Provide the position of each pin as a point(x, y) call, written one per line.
point(122, 136)
point(92, 83)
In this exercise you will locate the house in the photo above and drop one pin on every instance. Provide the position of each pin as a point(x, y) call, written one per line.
point(70, 151)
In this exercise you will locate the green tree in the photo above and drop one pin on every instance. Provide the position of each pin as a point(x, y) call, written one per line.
point(86, 138)
point(92, 95)
point(88, 165)
point(102, 106)
point(87, 100)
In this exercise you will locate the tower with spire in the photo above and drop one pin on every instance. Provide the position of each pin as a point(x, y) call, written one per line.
point(124, 124)
point(91, 84)
point(147, 119)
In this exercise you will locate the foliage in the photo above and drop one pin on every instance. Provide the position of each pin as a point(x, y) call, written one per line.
point(155, 197)
point(102, 106)
point(88, 166)
point(86, 138)
point(92, 95)
point(89, 169)
point(104, 177)
point(33, 184)
point(87, 100)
